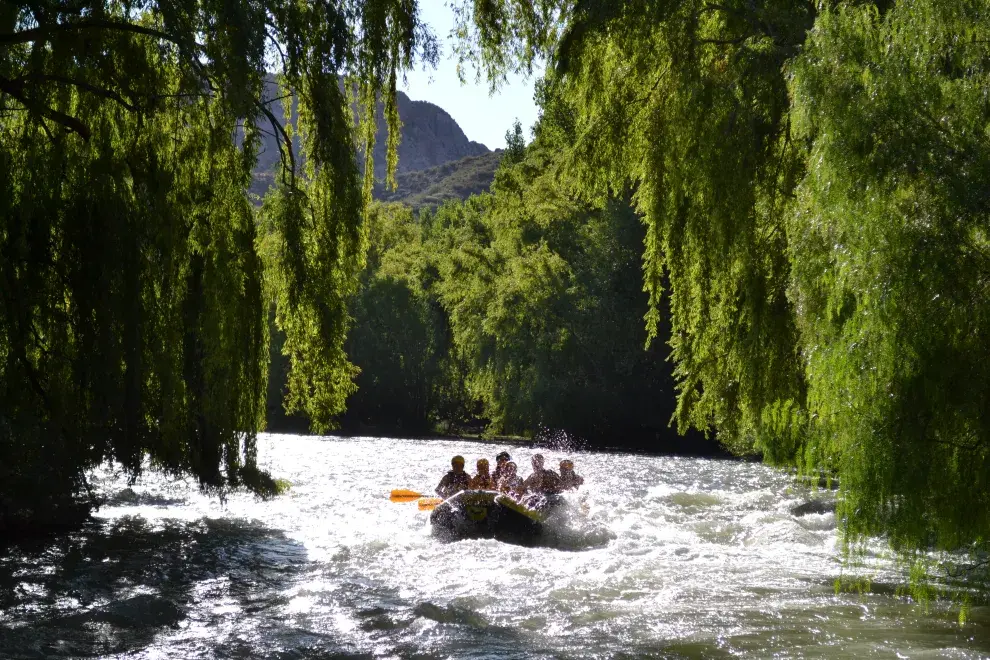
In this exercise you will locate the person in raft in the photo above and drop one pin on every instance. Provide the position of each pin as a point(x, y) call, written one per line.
point(501, 461)
point(510, 483)
point(454, 481)
point(568, 478)
point(542, 480)
point(482, 480)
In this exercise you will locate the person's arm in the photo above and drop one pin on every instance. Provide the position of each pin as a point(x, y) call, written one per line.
point(444, 484)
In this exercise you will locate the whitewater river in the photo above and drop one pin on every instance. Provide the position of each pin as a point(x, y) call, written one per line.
point(667, 557)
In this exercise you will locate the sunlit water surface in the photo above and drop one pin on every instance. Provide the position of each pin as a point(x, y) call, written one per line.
point(674, 557)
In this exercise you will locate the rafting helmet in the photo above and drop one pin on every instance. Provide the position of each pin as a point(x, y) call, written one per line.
point(503, 456)
point(482, 461)
point(567, 464)
point(457, 459)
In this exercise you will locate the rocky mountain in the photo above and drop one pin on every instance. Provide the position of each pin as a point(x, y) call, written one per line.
point(430, 138)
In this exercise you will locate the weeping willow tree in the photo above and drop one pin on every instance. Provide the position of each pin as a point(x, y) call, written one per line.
point(813, 180)
point(687, 103)
point(891, 264)
point(134, 279)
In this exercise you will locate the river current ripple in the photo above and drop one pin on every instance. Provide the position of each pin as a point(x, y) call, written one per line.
point(668, 558)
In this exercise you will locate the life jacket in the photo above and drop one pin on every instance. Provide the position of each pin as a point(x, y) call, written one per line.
point(453, 482)
point(544, 481)
point(482, 482)
point(511, 484)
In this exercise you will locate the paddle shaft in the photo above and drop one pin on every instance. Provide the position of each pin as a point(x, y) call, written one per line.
point(429, 503)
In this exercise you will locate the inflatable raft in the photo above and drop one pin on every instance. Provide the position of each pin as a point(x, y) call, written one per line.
point(482, 514)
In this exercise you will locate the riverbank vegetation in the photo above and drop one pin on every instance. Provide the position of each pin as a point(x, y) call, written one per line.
point(799, 186)
point(521, 308)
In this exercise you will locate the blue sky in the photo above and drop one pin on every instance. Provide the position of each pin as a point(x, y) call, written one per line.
point(483, 118)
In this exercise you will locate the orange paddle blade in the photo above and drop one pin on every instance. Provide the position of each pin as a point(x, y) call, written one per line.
point(402, 495)
point(429, 503)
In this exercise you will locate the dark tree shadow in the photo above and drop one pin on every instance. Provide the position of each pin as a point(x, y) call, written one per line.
point(111, 587)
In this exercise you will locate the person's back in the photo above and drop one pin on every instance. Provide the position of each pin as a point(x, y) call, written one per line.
point(550, 482)
point(454, 481)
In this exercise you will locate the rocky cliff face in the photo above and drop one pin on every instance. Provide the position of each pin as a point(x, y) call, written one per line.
point(430, 137)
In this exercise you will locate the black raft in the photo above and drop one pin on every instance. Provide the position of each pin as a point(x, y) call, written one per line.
point(483, 514)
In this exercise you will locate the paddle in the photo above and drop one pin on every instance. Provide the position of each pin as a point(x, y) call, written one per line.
point(429, 503)
point(402, 495)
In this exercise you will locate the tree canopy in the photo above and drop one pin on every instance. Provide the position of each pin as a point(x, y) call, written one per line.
point(136, 278)
point(811, 179)
point(520, 310)
point(889, 250)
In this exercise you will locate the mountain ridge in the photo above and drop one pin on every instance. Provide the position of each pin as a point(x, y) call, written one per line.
point(456, 179)
point(430, 138)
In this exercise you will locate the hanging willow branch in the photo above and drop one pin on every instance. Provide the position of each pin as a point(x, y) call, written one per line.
point(135, 254)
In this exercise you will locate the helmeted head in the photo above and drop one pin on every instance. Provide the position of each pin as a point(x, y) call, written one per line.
point(538, 462)
point(502, 458)
point(482, 466)
point(510, 468)
point(457, 462)
point(566, 465)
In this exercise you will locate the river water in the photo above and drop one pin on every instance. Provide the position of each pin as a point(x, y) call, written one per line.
point(663, 558)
